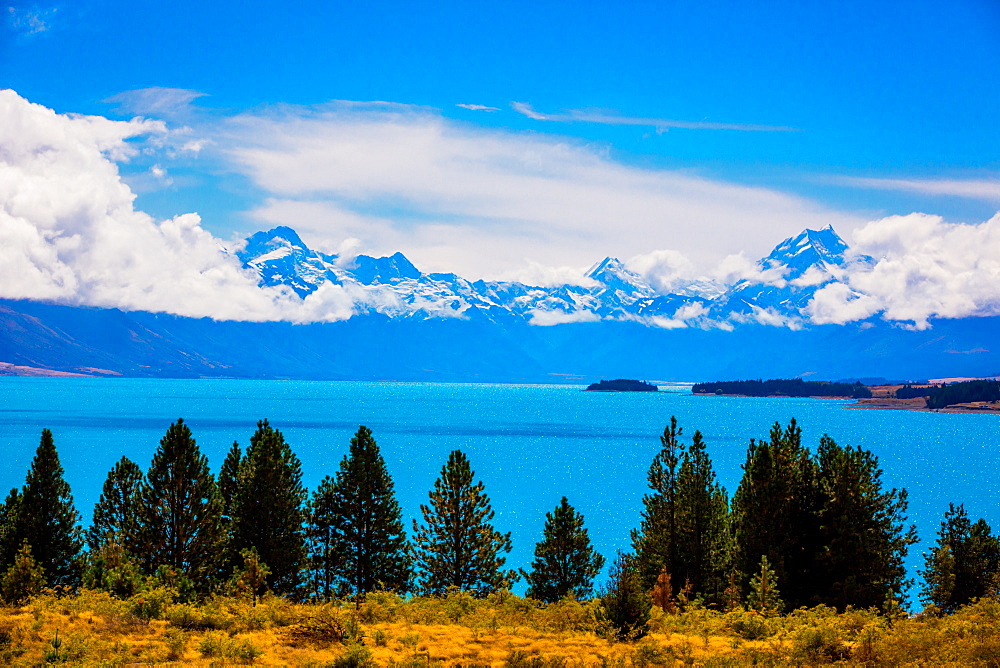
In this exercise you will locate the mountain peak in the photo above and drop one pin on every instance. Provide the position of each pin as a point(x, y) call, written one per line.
point(808, 248)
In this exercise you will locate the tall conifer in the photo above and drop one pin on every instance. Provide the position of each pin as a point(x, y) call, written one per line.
point(360, 523)
point(963, 565)
point(656, 541)
point(564, 562)
point(863, 531)
point(458, 547)
point(268, 508)
point(702, 524)
point(46, 518)
point(180, 510)
point(116, 512)
point(775, 514)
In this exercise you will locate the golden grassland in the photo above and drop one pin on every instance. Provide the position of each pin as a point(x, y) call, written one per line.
point(94, 628)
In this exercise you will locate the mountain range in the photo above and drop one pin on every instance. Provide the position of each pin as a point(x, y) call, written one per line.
point(394, 287)
point(408, 325)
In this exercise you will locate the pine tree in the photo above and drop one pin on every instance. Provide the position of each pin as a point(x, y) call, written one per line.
point(268, 508)
point(180, 510)
point(363, 523)
point(24, 579)
point(8, 531)
point(116, 512)
point(775, 514)
point(764, 596)
point(702, 524)
point(46, 519)
point(656, 542)
point(684, 530)
point(939, 578)
point(229, 477)
point(965, 563)
point(321, 544)
point(110, 568)
point(458, 547)
point(625, 603)
point(565, 563)
point(863, 531)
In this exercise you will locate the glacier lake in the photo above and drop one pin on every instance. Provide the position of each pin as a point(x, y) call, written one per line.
point(529, 444)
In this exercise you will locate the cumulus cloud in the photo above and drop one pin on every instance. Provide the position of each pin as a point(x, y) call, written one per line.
point(660, 124)
point(923, 268)
point(471, 200)
point(666, 271)
point(69, 231)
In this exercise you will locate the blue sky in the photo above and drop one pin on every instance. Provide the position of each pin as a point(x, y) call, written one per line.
point(853, 111)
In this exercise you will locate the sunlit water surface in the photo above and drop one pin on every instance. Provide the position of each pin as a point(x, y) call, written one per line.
point(530, 444)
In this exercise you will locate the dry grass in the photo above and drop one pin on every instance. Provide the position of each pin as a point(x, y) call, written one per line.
point(94, 628)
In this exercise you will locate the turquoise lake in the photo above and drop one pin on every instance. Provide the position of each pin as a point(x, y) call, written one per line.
point(529, 444)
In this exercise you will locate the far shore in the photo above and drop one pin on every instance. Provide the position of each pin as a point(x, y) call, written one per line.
point(883, 398)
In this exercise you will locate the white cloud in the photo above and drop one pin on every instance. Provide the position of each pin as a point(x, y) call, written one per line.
point(462, 198)
point(924, 268)
point(665, 270)
point(738, 267)
point(541, 318)
point(477, 107)
point(69, 231)
point(987, 190)
point(660, 124)
point(545, 276)
point(156, 101)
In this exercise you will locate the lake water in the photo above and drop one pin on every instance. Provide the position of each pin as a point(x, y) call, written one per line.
point(530, 444)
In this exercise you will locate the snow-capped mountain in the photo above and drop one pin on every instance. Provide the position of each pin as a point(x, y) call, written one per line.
point(785, 282)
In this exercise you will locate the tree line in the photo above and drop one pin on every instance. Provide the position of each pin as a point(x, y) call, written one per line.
point(802, 528)
point(784, 387)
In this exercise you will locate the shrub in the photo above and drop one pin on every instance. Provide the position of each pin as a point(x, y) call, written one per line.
point(356, 656)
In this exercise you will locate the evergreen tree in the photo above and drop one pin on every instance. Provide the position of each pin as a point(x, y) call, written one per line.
point(363, 523)
point(939, 578)
point(775, 514)
point(116, 512)
point(656, 543)
point(8, 530)
point(458, 547)
point(863, 531)
point(46, 518)
point(702, 524)
point(625, 602)
point(24, 579)
point(229, 477)
point(565, 562)
point(268, 508)
point(965, 563)
point(323, 558)
point(764, 596)
point(111, 569)
point(180, 510)
point(684, 529)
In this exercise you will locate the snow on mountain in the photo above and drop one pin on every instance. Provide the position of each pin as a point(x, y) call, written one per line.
point(786, 281)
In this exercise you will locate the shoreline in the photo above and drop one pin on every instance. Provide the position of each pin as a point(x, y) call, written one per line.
point(883, 399)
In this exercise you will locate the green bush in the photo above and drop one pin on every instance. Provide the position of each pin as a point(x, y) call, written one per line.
point(356, 656)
